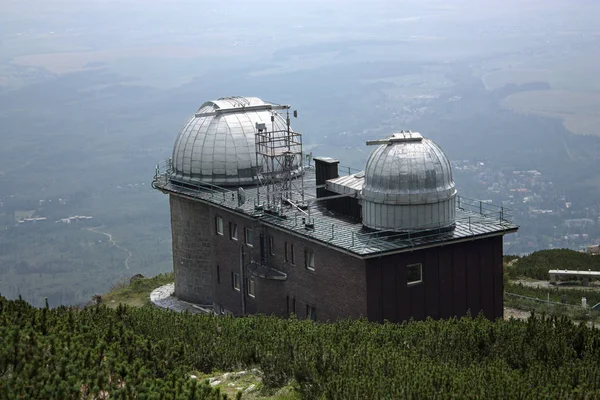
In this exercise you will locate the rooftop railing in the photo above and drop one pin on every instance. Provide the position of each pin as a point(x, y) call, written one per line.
point(473, 217)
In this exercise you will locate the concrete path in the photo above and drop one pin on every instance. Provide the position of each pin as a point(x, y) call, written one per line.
point(163, 297)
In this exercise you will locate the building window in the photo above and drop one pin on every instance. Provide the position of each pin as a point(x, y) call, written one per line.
point(285, 252)
point(271, 245)
point(218, 274)
point(414, 274)
point(292, 258)
point(311, 312)
point(233, 235)
point(235, 281)
point(309, 259)
point(248, 237)
point(251, 289)
point(219, 225)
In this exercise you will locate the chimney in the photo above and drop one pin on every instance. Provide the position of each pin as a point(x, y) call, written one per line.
point(325, 168)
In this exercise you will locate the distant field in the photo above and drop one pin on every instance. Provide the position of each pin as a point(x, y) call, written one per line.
point(64, 62)
point(21, 215)
point(497, 79)
point(580, 112)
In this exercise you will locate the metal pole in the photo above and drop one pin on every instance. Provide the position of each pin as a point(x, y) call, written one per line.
point(242, 283)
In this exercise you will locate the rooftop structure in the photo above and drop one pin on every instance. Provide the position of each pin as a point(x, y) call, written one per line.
point(217, 144)
point(408, 185)
point(320, 224)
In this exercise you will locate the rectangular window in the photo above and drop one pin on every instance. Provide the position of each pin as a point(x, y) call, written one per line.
point(272, 245)
point(414, 274)
point(219, 225)
point(285, 251)
point(233, 235)
point(251, 289)
point(292, 258)
point(311, 312)
point(235, 281)
point(309, 259)
point(248, 237)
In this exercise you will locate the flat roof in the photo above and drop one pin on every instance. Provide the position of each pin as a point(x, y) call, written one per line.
point(571, 272)
point(340, 232)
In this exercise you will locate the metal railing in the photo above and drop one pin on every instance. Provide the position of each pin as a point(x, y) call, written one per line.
point(474, 214)
point(534, 304)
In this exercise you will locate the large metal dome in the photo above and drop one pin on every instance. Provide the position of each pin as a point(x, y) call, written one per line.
point(217, 143)
point(408, 185)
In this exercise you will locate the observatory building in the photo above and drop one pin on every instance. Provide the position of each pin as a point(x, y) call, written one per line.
point(259, 228)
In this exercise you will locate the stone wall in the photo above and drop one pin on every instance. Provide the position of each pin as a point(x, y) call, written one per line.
point(192, 231)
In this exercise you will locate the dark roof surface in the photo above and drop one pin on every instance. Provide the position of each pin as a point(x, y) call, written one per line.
point(473, 220)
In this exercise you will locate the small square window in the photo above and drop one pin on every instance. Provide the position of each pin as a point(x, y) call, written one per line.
point(309, 259)
point(235, 281)
point(233, 234)
point(248, 237)
point(311, 312)
point(271, 245)
point(219, 225)
point(414, 274)
point(251, 289)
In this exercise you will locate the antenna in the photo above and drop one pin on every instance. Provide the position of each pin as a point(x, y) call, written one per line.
point(279, 160)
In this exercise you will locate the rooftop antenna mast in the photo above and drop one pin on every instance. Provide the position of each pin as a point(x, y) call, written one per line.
point(279, 160)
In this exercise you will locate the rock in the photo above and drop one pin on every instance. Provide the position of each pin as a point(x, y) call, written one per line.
point(193, 377)
point(250, 388)
point(215, 383)
point(136, 277)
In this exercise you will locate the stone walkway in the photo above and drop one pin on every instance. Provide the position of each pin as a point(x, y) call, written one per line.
point(163, 297)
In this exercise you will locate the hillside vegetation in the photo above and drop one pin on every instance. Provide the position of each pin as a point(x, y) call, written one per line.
point(137, 292)
point(536, 265)
point(148, 353)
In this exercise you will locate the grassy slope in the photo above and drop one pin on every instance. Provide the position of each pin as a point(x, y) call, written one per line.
point(137, 293)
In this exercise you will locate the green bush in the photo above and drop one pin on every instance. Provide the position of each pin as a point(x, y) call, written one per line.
point(572, 296)
point(149, 353)
point(536, 265)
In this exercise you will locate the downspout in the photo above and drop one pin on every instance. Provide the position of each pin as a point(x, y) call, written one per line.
point(243, 281)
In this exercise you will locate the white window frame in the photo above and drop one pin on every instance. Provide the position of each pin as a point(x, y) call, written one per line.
point(248, 232)
point(233, 231)
point(309, 259)
point(236, 282)
point(219, 225)
point(414, 282)
point(251, 288)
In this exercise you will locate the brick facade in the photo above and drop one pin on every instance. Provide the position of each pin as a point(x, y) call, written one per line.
point(456, 277)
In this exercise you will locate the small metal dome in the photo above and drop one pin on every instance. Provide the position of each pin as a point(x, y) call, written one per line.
point(217, 143)
point(408, 185)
